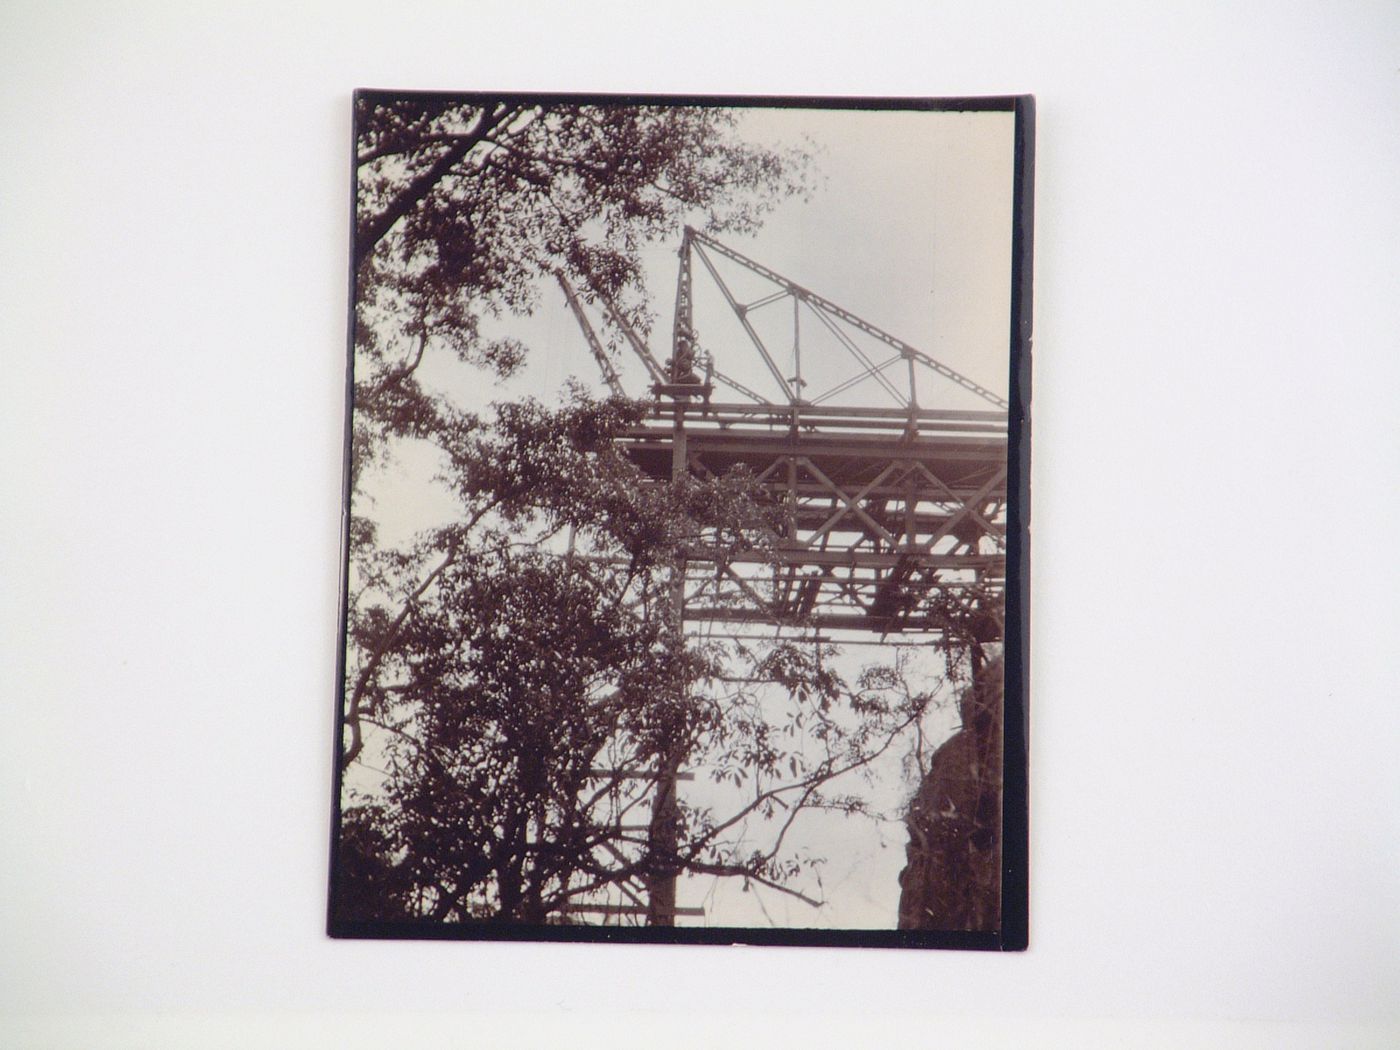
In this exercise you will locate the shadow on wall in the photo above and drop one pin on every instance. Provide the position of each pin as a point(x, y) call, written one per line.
point(952, 879)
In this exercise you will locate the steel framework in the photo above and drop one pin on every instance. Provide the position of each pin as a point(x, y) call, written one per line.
point(882, 507)
point(889, 515)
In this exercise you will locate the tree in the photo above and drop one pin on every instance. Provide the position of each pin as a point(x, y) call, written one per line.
point(462, 206)
point(530, 695)
point(521, 667)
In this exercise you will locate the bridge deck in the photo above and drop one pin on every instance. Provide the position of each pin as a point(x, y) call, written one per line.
point(883, 511)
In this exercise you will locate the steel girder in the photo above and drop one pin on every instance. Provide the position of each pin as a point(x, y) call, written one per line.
point(875, 516)
point(888, 518)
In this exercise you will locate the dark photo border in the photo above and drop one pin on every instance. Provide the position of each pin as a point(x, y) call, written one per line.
point(1014, 927)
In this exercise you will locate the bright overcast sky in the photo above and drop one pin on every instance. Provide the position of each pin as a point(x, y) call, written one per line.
point(909, 228)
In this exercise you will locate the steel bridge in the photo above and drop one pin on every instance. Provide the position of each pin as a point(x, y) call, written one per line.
point(883, 507)
point(888, 515)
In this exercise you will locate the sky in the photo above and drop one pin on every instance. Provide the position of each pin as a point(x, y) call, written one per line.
point(909, 227)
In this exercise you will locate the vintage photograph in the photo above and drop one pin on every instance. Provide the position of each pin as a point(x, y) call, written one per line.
point(685, 528)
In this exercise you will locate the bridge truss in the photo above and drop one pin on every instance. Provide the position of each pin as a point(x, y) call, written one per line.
point(893, 515)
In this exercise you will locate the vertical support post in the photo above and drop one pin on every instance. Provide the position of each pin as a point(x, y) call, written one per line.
point(911, 506)
point(664, 830)
point(683, 323)
point(791, 515)
point(797, 381)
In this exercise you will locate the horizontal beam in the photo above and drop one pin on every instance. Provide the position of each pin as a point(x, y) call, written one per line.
point(814, 514)
point(625, 909)
point(729, 423)
point(818, 639)
point(830, 621)
point(990, 444)
point(893, 493)
point(920, 448)
point(856, 559)
point(786, 413)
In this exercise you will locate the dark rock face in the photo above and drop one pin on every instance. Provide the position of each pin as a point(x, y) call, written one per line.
point(952, 879)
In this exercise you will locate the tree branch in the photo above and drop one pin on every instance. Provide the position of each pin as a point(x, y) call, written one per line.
point(370, 232)
point(731, 870)
point(824, 774)
point(371, 667)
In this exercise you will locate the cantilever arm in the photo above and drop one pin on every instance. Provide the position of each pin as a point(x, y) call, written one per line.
point(599, 354)
point(827, 306)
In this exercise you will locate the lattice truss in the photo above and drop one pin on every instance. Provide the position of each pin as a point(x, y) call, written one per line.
point(892, 514)
point(889, 516)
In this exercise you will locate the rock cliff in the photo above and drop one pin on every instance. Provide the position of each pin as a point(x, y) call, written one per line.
point(952, 878)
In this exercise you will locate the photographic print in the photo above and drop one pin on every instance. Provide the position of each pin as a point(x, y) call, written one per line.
point(686, 485)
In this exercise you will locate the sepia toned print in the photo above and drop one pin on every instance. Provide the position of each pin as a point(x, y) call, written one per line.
point(685, 526)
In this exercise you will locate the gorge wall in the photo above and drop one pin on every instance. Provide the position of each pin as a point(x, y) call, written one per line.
point(952, 877)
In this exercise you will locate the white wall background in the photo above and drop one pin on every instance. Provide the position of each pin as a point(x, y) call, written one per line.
point(1216, 693)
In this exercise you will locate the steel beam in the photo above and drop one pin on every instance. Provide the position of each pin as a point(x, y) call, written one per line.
point(828, 307)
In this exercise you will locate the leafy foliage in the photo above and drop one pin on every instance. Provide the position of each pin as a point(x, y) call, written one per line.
point(518, 675)
point(462, 206)
point(530, 696)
